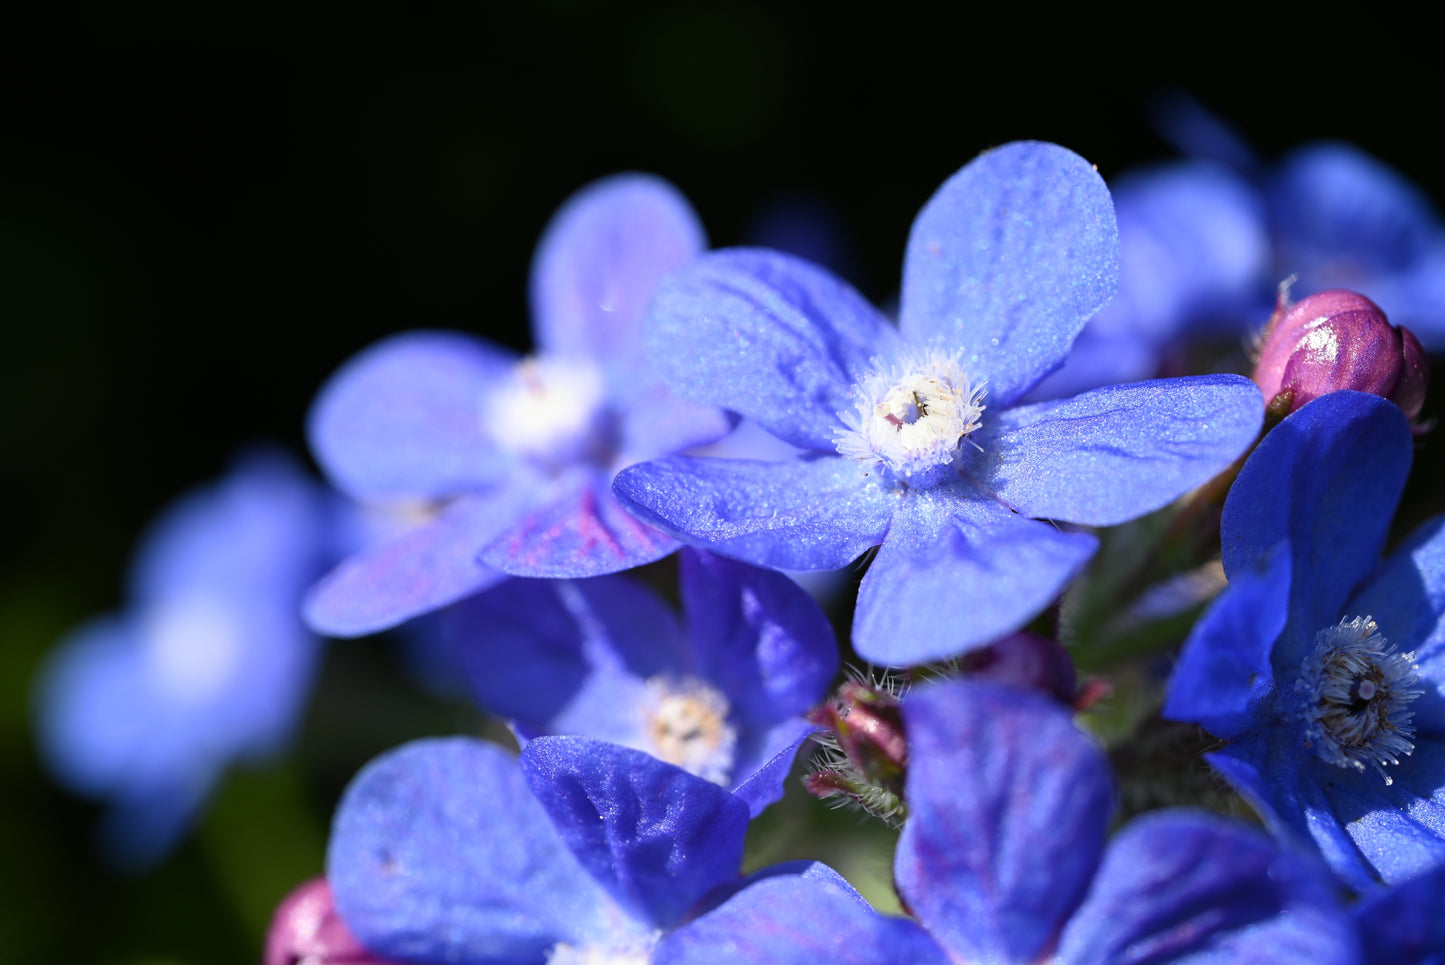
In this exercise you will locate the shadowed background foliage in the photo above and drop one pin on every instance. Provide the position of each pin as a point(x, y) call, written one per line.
point(204, 208)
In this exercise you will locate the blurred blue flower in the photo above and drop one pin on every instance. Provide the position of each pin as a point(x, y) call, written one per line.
point(581, 851)
point(507, 463)
point(1206, 242)
point(1320, 665)
point(1004, 859)
point(1402, 925)
point(721, 696)
point(915, 438)
point(209, 663)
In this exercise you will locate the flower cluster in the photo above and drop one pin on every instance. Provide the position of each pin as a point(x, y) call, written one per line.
point(1071, 603)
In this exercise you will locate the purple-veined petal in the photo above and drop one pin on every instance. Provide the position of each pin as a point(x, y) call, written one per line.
point(797, 920)
point(1116, 453)
point(575, 527)
point(803, 514)
point(439, 853)
point(598, 265)
point(1224, 667)
point(758, 635)
point(769, 336)
point(1008, 260)
point(1303, 484)
point(655, 836)
point(403, 419)
point(421, 570)
point(529, 648)
point(956, 571)
point(1008, 804)
point(1184, 886)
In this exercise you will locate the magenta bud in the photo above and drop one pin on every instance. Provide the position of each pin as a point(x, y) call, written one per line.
point(1026, 660)
point(307, 931)
point(1339, 339)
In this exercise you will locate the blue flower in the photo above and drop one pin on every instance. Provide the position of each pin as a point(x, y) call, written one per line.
point(1004, 859)
point(1402, 925)
point(915, 438)
point(1206, 243)
point(722, 697)
point(508, 462)
point(208, 664)
point(452, 851)
point(1320, 665)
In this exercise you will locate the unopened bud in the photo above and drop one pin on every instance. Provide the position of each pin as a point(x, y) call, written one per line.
point(307, 931)
point(1339, 339)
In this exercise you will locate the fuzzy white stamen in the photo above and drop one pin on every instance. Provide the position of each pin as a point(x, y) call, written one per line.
point(1356, 692)
point(685, 722)
point(912, 418)
point(551, 410)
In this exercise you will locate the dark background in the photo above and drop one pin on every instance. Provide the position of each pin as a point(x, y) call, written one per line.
point(205, 208)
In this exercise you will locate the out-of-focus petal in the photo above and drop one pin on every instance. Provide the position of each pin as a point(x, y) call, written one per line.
point(769, 336)
point(598, 265)
point(805, 514)
point(796, 920)
point(1008, 260)
point(956, 571)
point(575, 527)
point(421, 570)
point(1182, 886)
point(1115, 453)
point(657, 837)
point(403, 420)
point(1008, 806)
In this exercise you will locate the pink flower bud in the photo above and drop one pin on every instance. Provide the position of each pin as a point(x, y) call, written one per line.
point(1339, 339)
point(307, 931)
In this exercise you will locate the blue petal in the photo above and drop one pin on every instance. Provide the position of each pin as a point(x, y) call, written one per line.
point(1224, 668)
point(1399, 828)
point(797, 920)
point(759, 777)
point(655, 836)
point(422, 570)
point(440, 853)
point(1008, 260)
point(1326, 479)
point(1008, 804)
point(657, 423)
point(531, 647)
point(599, 263)
point(575, 527)
point(956, 571)
point(1179, 886)
point(1404, 924)
point(1114, 454)
point(804, 514)
point(758, 636)
point(767, 335)
point(401, 420)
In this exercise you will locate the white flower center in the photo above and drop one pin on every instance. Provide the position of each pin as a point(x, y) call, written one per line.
point(1357, 690)
point(553, 411)
point(912, 418)
point(633, 953)
point(193, 648)
point(685, 722)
